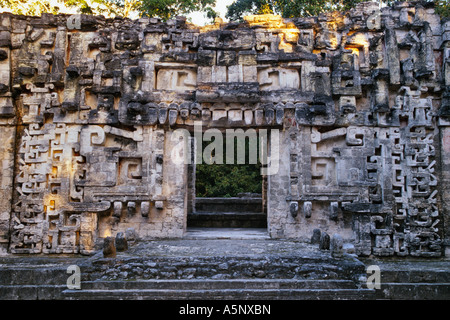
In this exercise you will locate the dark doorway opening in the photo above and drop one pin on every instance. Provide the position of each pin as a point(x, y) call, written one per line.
point(227, 195)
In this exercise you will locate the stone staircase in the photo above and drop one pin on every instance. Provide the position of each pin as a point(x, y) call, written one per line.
point(414, 280)
point(237, 289)
point(222, 270)
point(235, 212)
point(34, 278)
point(192, 269)
point(227, 220)
point(48, 281)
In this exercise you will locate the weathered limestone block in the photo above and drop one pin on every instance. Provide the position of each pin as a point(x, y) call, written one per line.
point(117, 209)
point(324, 242)
point(445, 149)
point(131, 235)
point(393, 56)
point(307, 209)
point(131, 208)
point(293, 208)
point(336, 246)
point(121, 242)
point(145, 208)
point(109, 249)
point(6, 183)
point(169, 78)
point(334, 210)
point(88, 225)
point(348, 248)
point(315, 238)
point(346, 78)
point(276, 79)
point(347, 104)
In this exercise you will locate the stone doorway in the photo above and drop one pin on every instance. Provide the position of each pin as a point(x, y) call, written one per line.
point(227, 200)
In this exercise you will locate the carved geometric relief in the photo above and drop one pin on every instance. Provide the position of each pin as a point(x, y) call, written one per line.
point(227, 74)
point(45, 210)
point(355, 97)
point(6, 182)
point(278, 78)
point(130, 169)
point(323, 172)
point(176, 79)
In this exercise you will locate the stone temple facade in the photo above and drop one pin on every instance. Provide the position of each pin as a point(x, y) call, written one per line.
point(360, 101)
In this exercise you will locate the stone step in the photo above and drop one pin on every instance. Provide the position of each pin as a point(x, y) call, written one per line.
point(227, 220)
point(55, 288)
point(32, 292)
point(232, 204)
point(224, 268)
point(225, 294)
point(415, 276)
point(414, 291)
point(411, 270)
point(226, 233)
point(164, 262)
point(37, 270)
point(228, 290)
point(208, 284)
point(16, 276)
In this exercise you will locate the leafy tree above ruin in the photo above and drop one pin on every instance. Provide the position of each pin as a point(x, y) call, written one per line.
point(164, 9)
point(286, 8)
point(167, 9)
point(305, 8)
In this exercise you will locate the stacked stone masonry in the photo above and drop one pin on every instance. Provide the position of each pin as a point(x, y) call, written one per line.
point(361, 99)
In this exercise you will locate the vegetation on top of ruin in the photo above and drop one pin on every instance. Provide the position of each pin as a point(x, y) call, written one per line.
point(305, 8)
point(442, 8)
point(163, 9)
point(167, 9)
point(287, 8)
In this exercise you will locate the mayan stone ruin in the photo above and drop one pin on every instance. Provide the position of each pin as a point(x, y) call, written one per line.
point(360, 102)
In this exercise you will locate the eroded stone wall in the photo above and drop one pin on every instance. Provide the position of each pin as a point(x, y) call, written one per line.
point(88, 107)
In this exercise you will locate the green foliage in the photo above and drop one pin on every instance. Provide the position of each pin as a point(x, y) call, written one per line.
point(167, 9)
point(303, 8)
point(38, 7)
point(442, 7)
point(28, 7)
point(164, 9)
point(211, 14)
point(227, 180)
point(286, 8)
point(240, 8)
